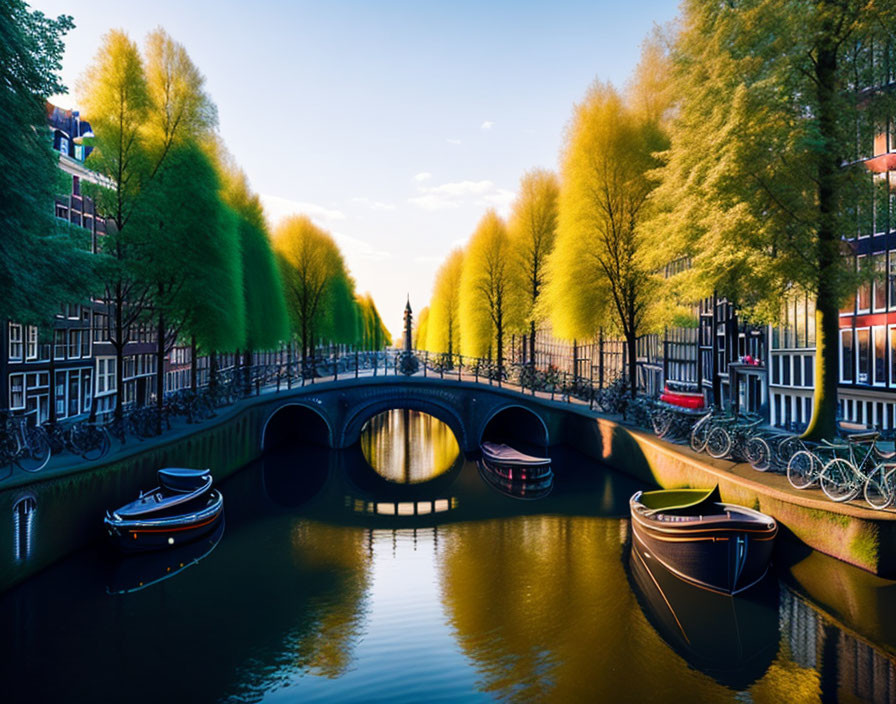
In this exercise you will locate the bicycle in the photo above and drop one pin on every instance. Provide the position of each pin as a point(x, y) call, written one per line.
point(880, 488)
point(89, 439)
point(25, 444)
point(842, 478)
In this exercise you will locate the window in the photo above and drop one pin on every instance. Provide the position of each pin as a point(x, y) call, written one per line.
point(879, 333)
point(863, 345)
point(86, 390)
point(31, 347)
point(865, 287)
point(74, 344)
point(63, 145)
point(847, 356)
point(785, 369)
point(880, 281)
point(59, 344)
point(105, 375)
point(881, 204)
point(808, 370)
point(16, 392)
point(15, 342)
point(893, 279)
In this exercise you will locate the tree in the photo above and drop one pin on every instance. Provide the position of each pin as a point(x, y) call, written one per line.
point(115, 99)
point(779, 102)
point(532, 228)
point(310, 261)
point(598, 269)
point(421, 329)
point(443, 331)
point(266, 319)
point(490, 301)
point(41, 264)
point(180, 107)
point(372, 334)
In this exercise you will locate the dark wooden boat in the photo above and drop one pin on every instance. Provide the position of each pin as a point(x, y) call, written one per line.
point(135, 572)
point(514, 465)
point(167, 516)
point(734, 640)
point(722, 547)
point(536, 488)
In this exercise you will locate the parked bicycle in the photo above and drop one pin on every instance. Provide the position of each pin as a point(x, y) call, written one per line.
point(24, 443)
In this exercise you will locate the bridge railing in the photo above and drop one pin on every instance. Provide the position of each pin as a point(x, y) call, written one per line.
point(229, 386)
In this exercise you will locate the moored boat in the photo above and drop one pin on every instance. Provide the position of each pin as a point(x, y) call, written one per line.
point(722, 547)
point(536, 488)
point(182, 508)
point(513, 465)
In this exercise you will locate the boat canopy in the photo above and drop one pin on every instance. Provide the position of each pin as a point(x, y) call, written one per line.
point(679, 500)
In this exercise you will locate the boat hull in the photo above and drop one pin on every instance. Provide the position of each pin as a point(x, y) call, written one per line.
point(155, 533)
point(720, 555)
point(528, 489)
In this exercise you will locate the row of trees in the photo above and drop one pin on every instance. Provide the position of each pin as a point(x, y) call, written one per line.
point(187, 248)
point(737, 148)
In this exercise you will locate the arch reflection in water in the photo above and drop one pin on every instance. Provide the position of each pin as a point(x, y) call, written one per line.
point(408, 447)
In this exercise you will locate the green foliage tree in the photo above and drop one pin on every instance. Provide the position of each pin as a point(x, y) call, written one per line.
point(491, 303)
point(372, 333)
point(443, 331)
point(778, 103)
point(599, 270)
point(41, 263)
point(310, 263)
point(115, 99)
point(532, 228)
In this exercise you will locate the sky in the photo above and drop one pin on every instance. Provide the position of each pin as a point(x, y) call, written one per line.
point(393, 125)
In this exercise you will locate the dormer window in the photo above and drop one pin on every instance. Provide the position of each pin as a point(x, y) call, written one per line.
point(63, 145)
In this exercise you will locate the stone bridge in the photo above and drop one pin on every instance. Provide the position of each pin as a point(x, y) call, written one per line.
point(333, 414)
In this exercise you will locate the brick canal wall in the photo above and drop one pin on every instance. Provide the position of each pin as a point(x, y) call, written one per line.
point(70, 502)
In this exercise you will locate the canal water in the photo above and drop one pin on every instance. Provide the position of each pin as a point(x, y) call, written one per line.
point(398, 571)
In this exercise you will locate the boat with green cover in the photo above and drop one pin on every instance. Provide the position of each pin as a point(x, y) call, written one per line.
point(718, 546)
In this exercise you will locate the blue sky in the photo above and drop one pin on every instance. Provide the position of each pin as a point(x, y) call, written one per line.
point(394, 125)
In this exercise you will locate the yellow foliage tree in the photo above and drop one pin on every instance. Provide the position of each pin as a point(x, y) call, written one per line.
point(598, 270)
point(443, 333)
point(310, 261)
point(421, 329)
point(533, 228)
point(490, 296)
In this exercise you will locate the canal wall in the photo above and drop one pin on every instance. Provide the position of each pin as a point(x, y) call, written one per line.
point(60, 510)
point(856, 535)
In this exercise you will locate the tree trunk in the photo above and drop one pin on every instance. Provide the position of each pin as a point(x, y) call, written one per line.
point(532, 343)
point(827, 315)
point(212, 370)
point(631, 341)
point(247, 371)
point(160, 371)
point(194, 366)
point(119, 361)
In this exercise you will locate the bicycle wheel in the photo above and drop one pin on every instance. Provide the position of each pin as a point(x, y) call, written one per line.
point(718, 443)
point(758, 454)
point(34, 456)
point(94, 443)
point(879, 487)
point(839, 481)
point(661, 421)
point(699, 434)
point(802, 469)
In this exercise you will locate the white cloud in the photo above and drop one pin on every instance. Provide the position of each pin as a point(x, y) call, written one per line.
point(277, 208)
point(373, 204)
point(359, 250)
point(487, 125)
point(423, 176)
point(452, 140)
point(456, 193)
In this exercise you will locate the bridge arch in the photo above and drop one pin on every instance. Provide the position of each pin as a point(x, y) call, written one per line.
point(296, 421)
point(515, 423)
point(351, 429)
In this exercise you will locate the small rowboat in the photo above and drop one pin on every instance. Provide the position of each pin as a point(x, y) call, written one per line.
point(722, 547)
point(514, 465)
point(167, 515)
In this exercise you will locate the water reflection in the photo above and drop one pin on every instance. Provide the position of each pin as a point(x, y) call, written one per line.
point(407, 446)
point(307, 599)
point(732, 639)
